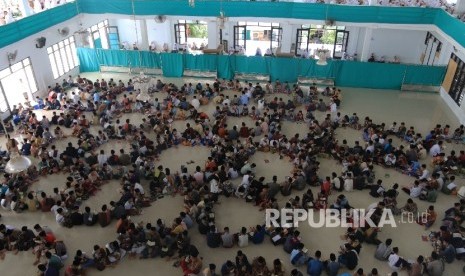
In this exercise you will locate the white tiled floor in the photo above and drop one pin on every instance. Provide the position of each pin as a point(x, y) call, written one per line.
point(418, 109)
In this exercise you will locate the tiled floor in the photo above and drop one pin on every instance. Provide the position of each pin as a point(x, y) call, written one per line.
point(418, 109)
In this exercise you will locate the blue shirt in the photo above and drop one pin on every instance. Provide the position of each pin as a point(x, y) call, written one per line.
point(96, 97)
point(258, 237)
point(51, 271)
point(244, 99)
point(314, 267)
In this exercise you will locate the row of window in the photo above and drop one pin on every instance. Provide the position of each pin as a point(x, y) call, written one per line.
point(17, 83)
point(63, 57)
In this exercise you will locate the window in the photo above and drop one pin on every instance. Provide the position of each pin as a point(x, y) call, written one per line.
point(312, 37)
point(432, 49)
point(19, 77)
point(99, 35)
point(191, 33)
point(256, 37)
point(62, 57)
point(457, 89)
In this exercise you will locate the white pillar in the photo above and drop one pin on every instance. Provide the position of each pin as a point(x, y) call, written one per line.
point(459, 7)
point(444, 56)
point(373, 2)
point(286, 39)
point(25, 8)
point(212, 31)
point(366, 47)
point(144, 43)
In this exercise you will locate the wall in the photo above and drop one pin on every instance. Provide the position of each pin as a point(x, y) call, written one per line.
point(39, 57)
point(159, 32)
point(353, 43)
point(129, 31)
point(406, 44)
point(459, 111)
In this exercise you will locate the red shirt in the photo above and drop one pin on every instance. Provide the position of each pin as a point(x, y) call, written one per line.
point(326, 187)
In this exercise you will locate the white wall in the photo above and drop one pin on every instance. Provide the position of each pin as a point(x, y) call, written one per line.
point(459, 111)
point(39, 57)
point(406, 44)
point(160, 32)
point(128, 30)
point(353, 43)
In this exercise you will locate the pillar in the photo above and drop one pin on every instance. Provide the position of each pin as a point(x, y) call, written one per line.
point(25, 8)
point(366, 47)
point(213, 37)
point(286, 39)
point(373, 2)
point(459, 7)
point(144, 43)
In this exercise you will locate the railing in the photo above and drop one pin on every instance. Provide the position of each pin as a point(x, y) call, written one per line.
point(340, 13)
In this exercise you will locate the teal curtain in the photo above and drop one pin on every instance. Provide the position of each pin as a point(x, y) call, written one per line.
point(172, 65)
point(225, 67)
point(150, 59)
point(200, 62)
point(284, 69)
point(133, 58)
point(98, 43)
point(371, 75)
point(113, 57)
point(88, 60)
point(425, 75)
point(308, 68)
point(345, 73)
point(252, 65)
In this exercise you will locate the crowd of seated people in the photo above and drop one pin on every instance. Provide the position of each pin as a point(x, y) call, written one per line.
point(230, 148)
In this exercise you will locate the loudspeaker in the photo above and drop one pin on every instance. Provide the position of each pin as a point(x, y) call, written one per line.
point(40, 42)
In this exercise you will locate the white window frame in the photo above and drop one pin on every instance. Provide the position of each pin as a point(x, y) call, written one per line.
point(30, 79)
point(62, 57)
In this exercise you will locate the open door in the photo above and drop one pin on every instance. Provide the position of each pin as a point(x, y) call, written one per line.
point(340, 43)
point(180, 33)
point(276, 37)
point(301, 43)
point(450, 73)
point(240, 37)
point(113, 37)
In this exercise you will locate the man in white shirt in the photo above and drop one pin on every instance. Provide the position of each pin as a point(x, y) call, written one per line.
point(60, 219)
point(195, 103)
point(414, 191)
point(139, 187)
point(435, 150)
point(424, 172)
point(349, 183)
point(102, 158)
point(396, 262)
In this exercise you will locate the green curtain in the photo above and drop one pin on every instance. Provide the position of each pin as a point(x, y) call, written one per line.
point(251, 65)
point(371, 75)
point(88, 60)
point(225, 67)
point(200, 62)
point(284, 69)
point(308, 68)
point(150, 60)
point(425, 75)
point(133, 58)
point(172, 65)
point(345, 73)
point(113, 57)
